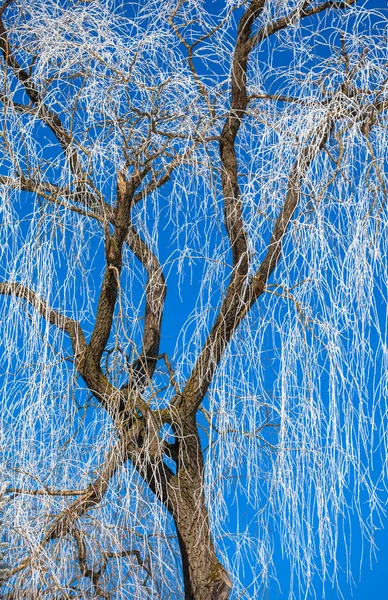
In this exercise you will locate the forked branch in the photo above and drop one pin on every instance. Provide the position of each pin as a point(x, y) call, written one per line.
point(238, 301)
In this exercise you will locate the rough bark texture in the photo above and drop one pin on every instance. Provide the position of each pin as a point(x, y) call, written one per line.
point(204, 576)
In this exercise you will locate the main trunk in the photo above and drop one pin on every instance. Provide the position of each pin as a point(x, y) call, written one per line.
point(204, 576)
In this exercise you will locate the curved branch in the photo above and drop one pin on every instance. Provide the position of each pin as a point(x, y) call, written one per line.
point(239, 297)
point(49, 118)
point(155, 289)
point(239, 101)
point(114, 247)
point(155, 294)
point(63, 523)
point(70, 326)
point(299, 13)
point(154, 472)
point(98, 384)
point(295, 181)
point(50, 192)
point(233, 218)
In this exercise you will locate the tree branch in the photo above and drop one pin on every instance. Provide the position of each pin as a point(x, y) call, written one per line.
point(113, 248)
point(51, 193)
point(239, 102)
point(204, 369)
point(237, 303)
point(155, 294)
point(299, 13)
point(239, 299)
point(70, 326)
point(63, 523)
point(155, 290)
point(48, 117)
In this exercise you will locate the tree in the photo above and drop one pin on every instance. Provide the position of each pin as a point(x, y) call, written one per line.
point(232, 153)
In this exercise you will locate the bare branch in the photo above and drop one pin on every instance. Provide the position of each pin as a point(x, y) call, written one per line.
point(51, 119)
point(237, 302)
point(70, 326)
point(299, 13)
point(46, 492)
point(239, 101)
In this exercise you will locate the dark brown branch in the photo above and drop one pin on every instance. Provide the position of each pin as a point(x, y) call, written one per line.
point(155, 293)
point(48, 117)
point(204, 369)
point(238, 302)
point(142, 563)
point(239, 102)
point(158, 180)
point(114, 246)
point(93, 495)
point(5, 6)
point(94, 378)
point(299, 13)
point(93, 573)
point(295, 181)
point(153, 471)
point(70, 326)
point(239, 298)
point(155, 290)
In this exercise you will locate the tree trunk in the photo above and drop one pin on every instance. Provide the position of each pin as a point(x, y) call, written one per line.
point(204, 576)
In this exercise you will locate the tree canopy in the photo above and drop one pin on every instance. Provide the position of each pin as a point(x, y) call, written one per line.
point(193, 289)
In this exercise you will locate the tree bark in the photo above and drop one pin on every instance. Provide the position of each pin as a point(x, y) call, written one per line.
point(204, 576)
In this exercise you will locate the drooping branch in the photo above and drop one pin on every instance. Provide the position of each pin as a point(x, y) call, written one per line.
point(63, 523)
point(240, 297)
point(233, 218)
point(98, 384)
point(93, 573)
point(151, 469)
point(155, 288)
point(295, 182)
point(83, 353)
point(52, 193)
point(183, 493)
point(95, 491)
point(160, 178)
